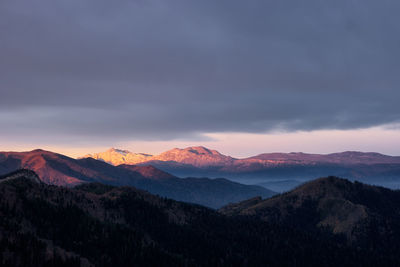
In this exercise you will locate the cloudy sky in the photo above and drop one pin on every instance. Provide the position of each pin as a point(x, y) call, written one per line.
point(244, 77)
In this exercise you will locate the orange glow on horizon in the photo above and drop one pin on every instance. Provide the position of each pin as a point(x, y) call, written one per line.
point(376, 139)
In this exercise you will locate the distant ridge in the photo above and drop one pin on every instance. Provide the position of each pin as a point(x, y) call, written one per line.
point(278, 171)
point(57, 169)
point(200, 156)
point(197, 156)
point(118, 156)
point(347, 157)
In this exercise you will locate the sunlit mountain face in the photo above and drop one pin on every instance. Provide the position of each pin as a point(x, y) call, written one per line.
point(196, 156)
point(203, 157)
point(60, 170)
point(277, 171)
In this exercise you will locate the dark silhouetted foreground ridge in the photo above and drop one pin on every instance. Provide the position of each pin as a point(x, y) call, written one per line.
point(100, 225)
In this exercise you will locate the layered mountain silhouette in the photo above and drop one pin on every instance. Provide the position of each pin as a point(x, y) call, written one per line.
point(57, 169)
point(100, 225)
point(280, 171)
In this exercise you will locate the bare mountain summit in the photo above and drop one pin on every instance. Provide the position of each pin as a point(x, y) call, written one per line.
point(202, 157)
point(57, 169)
point(277, 171)
point(117, 156)
point(196, 156)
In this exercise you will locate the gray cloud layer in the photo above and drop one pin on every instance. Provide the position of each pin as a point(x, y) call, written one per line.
point(167, 69)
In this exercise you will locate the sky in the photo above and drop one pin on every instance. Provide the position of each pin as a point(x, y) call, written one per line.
point(244, 77)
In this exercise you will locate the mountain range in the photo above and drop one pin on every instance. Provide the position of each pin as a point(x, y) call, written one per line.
point(326, 222)
point(194, 156)
point(277, 171)
point(200, 156)
point(57, 169)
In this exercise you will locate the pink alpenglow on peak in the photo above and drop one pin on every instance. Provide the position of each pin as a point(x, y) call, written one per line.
point(118, 157)
point(197, 156)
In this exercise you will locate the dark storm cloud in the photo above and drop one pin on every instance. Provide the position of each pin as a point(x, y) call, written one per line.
point(168, 69)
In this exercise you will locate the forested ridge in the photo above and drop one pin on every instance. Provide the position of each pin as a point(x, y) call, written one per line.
point(101, 225)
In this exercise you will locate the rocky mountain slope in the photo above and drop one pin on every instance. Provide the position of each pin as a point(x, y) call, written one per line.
point(57, 169)
point(100, 225)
